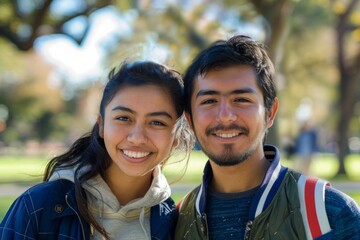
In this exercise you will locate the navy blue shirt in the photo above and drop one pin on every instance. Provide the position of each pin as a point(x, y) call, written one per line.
point(228, 213)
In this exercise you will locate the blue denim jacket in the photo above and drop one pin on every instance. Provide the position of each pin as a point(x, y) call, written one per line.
point(49, 211)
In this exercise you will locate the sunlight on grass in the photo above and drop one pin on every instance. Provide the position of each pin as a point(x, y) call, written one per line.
point(30, 168)
point(353, 167)
point(174, 169)
point(325, 166)
point(21, 169)
point(5, 203)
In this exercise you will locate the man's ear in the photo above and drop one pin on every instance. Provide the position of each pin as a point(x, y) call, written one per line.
point(188, 119)
point(101, 126)
point(272, 113)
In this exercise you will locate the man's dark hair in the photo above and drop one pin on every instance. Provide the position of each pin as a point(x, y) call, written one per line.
point(238, 50)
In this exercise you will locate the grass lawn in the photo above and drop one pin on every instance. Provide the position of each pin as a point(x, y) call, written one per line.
point(21, 169)
point(24, 169)
point(5, 202)
point(324, 166)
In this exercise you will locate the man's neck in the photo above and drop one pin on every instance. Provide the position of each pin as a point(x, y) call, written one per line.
point(239, 178)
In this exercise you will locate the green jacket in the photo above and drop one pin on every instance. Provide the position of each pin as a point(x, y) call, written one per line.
point(275, 212)
point(276, 222)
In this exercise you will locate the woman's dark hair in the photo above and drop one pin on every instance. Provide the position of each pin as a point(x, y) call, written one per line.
point(90, 151)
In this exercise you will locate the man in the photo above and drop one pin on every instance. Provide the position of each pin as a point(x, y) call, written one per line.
point(246, 194)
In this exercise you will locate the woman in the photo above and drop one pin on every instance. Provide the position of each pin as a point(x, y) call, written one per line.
point(109, 183)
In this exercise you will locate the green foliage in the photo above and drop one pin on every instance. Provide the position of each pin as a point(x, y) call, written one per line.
point(311, 16)
point(309, 69)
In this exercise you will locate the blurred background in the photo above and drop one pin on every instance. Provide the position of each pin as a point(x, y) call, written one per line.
point(56, 54)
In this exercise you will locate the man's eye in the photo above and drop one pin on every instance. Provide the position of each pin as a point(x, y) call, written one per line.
point(242, 100)
point(158, 123)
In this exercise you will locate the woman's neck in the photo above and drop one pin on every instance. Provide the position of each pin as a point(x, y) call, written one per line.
point(127, 188)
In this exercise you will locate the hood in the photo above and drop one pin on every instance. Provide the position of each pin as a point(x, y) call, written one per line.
point(103, 202)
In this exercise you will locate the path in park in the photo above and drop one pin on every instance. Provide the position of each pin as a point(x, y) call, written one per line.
point(17, 189)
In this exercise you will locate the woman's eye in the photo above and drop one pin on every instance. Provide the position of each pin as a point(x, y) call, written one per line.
point(208, 101)
point(122, 118)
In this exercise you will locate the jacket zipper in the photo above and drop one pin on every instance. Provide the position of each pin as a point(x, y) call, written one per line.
point(81, 224)
point(248, 230)
point(204, 226)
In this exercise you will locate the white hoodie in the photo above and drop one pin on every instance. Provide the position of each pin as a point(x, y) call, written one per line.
point(131, 221)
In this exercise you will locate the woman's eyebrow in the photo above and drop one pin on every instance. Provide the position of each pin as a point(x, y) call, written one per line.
point(160, 113)
point(122, 108)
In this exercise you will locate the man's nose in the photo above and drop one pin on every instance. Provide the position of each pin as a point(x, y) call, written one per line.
point(226, 113)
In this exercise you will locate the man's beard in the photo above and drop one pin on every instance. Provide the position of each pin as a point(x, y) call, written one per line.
point(227, 157)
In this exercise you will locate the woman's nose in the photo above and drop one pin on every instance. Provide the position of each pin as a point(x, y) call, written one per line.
point(137, 135)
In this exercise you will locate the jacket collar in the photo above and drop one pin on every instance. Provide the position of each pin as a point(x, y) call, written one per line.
point(264, 195)
point(62, 199)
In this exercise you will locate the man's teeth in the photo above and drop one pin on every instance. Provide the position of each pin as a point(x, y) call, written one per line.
point(226, 135)
point(134, 154)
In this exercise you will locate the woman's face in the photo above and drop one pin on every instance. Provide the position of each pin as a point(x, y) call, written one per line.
point(139, 129)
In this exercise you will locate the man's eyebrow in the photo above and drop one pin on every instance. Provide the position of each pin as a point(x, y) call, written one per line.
point(206, 92)
point(213, 92)
point(153, 114)
point(243, 90)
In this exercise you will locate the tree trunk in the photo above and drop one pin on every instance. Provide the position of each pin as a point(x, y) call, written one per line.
point(347, 85)
point(277, 14)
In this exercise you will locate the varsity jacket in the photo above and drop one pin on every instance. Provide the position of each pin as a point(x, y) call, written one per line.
point(49, 211)
point(278, 209)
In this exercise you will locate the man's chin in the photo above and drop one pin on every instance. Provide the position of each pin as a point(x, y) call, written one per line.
point(228, 158)
point(227, 162)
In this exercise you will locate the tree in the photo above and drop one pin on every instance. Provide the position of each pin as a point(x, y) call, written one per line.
point(349, 72)
point(24, 21)
point(277, 15)
point(328, 24)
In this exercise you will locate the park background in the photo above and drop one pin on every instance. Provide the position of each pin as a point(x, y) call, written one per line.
point(55, 56)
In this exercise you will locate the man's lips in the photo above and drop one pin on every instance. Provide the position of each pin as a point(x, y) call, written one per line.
point(227, 135)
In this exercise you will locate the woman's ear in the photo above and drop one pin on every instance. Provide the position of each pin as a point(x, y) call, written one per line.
point(175, 143)
point(101, 126)
point(178, 134)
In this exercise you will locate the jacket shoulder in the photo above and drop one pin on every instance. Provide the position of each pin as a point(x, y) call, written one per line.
point(163, 219)
point(37, 196)
point(188, 201)
point(26, 214)
point(189, 225)
point(343, 214)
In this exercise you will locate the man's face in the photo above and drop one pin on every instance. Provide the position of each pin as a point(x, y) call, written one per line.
point(228, 115)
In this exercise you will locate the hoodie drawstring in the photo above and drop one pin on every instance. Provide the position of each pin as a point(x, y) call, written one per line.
point(142, 222)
